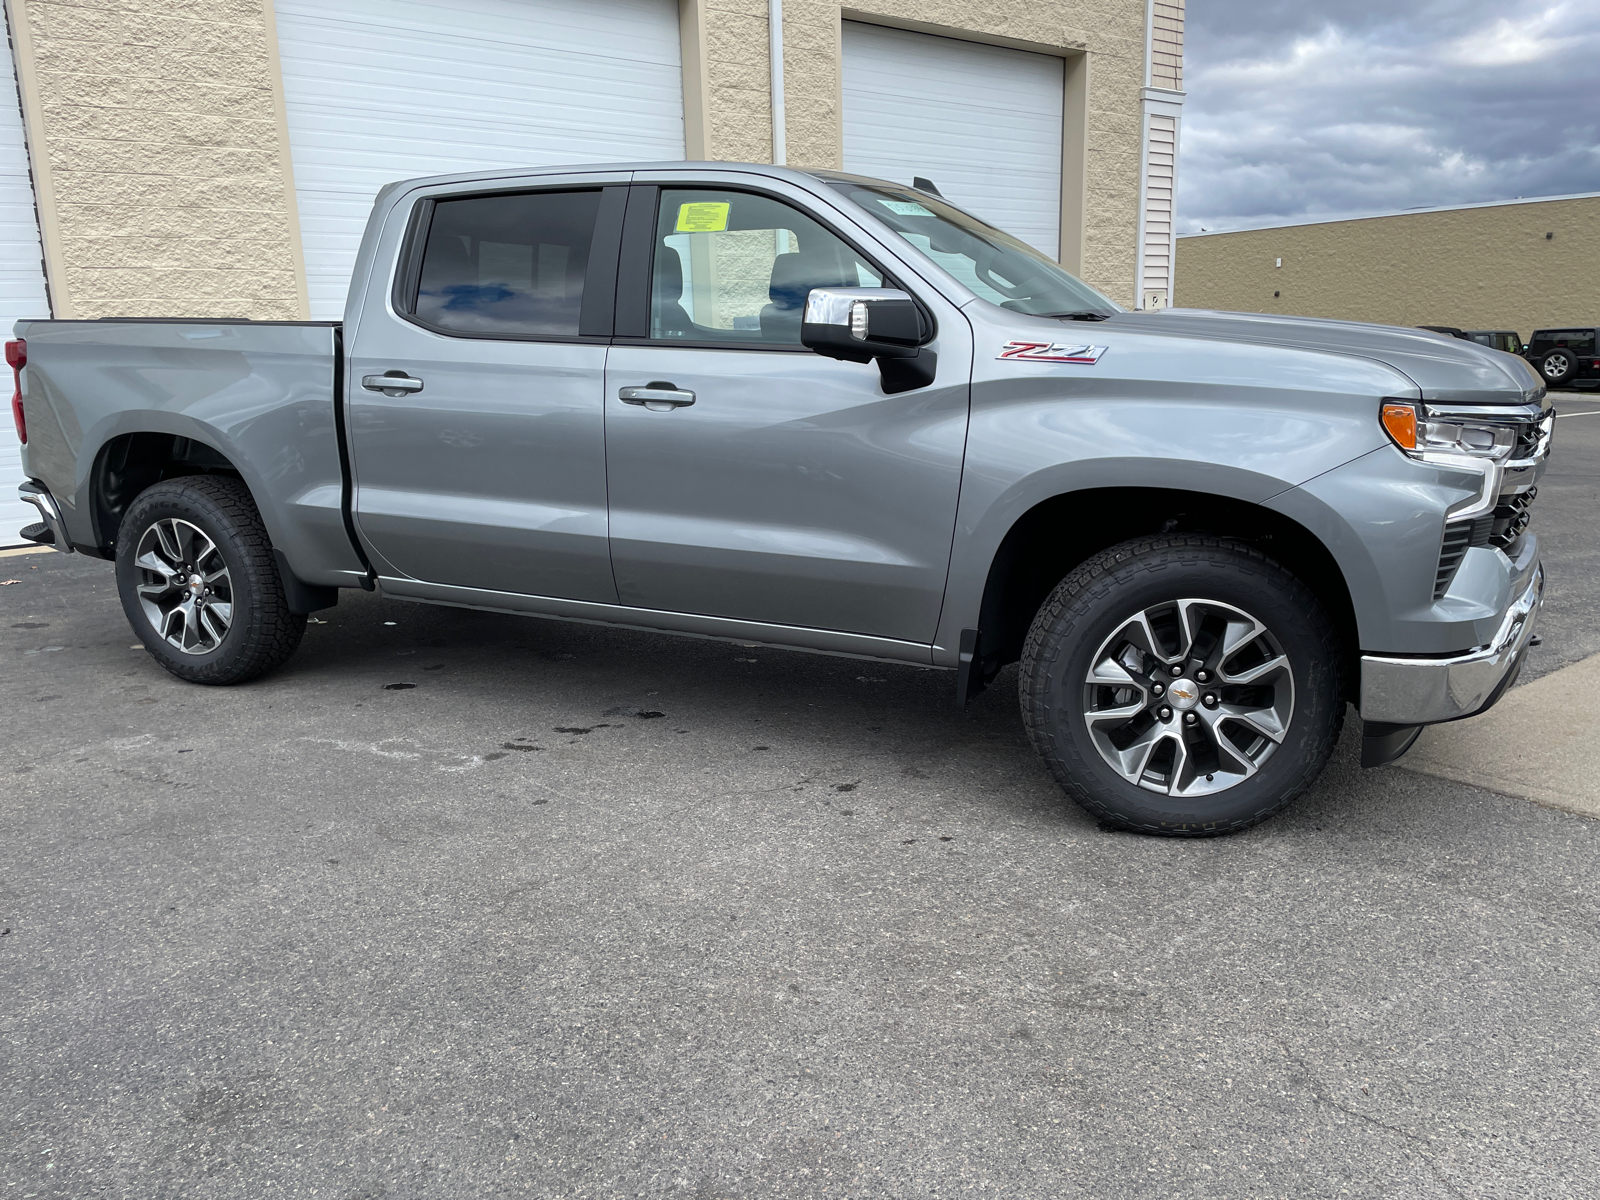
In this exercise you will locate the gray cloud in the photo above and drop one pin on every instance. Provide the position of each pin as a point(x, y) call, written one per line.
point(1301, 110)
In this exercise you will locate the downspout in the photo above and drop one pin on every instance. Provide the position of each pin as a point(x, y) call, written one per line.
point(780, 150)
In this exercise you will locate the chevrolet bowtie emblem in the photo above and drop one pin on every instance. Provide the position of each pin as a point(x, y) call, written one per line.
point(1182, 695)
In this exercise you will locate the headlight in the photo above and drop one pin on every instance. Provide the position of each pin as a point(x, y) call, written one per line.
point(1424, 433)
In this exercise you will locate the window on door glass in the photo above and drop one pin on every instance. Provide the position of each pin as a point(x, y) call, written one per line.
point(735, 268)
point(511, 265)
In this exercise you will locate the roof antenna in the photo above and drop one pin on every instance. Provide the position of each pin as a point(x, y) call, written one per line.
point(925, 185)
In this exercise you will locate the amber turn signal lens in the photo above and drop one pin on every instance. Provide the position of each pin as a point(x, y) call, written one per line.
point(1400, 420)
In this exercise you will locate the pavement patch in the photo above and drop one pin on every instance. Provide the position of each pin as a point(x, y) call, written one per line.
point(1541, 743)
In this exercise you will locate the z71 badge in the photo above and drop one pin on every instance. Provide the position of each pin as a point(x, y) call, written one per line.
point(1060, 352)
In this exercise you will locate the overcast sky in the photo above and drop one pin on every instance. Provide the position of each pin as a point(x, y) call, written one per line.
point(1304, 108)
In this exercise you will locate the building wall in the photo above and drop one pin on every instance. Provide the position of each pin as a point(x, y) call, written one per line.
point(1488, 267)
point(160, 152)
point(159, 157)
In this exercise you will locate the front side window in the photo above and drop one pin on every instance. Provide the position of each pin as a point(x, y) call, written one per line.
point(511, 265)
point(1002, 269)
point(734, 267)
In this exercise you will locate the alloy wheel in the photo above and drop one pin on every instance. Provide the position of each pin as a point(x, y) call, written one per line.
point(1556, 365)
point(184, 587)
point(1189, 697)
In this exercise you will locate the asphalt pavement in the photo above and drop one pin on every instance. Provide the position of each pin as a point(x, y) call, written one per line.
point(461, 904)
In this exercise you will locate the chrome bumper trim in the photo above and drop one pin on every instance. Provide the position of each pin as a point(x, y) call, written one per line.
point(40, 497)
point(1425, 691)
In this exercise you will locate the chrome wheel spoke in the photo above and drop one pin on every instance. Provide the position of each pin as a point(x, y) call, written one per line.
point(1135, 760)
point(1226, 749)
point(1252, 674)
point(214, 623)
point(1179, 778)
point(166, 537)
point(1262, 720)
point(154, 563)
point(1125, 712)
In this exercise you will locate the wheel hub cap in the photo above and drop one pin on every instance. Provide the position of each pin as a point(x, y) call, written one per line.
point(1184, 694)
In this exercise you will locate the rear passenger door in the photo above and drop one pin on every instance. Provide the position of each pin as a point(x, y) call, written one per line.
point(476, 420)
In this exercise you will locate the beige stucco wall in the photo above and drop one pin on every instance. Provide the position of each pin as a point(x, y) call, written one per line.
point(161, 163)
point(1474, 268)
point(157, 148)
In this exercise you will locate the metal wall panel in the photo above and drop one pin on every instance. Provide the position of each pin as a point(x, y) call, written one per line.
point(379, 90)
point(982, 122)
point(22, 290)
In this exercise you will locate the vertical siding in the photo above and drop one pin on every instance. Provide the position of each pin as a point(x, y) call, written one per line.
point(1156, 270)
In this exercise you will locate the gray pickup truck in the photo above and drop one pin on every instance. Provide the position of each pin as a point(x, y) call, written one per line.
point(835, 414)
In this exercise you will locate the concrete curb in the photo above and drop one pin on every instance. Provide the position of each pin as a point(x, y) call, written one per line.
point(1540, 743)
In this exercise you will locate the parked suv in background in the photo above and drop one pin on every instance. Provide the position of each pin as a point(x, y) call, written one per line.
point(1565, 357)
point(1504, 340)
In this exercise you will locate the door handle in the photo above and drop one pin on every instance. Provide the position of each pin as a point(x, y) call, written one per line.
point(392, 384)
point(657, 396)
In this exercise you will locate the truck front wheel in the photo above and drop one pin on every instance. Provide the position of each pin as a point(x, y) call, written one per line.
point(1182, 685)
point(199, 583)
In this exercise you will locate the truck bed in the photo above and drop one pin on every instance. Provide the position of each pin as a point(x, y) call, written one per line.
point(257, 397)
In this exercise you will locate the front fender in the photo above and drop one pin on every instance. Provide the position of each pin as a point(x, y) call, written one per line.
point(1172, 415)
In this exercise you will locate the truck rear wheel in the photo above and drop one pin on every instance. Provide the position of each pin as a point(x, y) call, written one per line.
point(1181, 685)
point(199, 583)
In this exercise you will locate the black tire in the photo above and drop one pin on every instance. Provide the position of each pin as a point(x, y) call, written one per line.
point(1097, 600)
point(261, 632)
point(1557, 367)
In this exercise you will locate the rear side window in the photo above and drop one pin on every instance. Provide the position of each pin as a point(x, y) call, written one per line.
point(511, 265)
point(1579, 341)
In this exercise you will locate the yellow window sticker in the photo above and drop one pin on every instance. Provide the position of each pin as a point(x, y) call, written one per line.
point(705, 216)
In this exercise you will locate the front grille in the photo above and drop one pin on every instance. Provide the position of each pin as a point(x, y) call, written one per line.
point(1503, 529)
point(1529, 435)
point(1510, 521)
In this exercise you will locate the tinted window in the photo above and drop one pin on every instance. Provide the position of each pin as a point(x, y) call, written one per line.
point(995, 265)
point(508, 264)
point(1579, 341)
point(735, 267)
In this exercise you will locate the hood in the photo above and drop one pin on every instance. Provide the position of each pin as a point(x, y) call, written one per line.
point(1445, 369)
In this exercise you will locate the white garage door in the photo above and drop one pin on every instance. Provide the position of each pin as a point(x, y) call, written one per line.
point(379, 90)
point(22, 291)
point(983, 123)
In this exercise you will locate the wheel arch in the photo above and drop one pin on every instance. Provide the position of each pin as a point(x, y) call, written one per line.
point(127, 463)
point(1046, 542)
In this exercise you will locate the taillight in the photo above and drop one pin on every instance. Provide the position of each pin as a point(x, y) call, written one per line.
point(17, 356)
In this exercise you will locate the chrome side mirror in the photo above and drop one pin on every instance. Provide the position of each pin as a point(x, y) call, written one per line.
point(861, 324)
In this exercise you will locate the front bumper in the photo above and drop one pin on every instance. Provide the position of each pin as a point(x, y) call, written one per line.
point(1425, 691)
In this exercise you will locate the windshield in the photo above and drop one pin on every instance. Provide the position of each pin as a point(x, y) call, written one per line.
point(995, 265)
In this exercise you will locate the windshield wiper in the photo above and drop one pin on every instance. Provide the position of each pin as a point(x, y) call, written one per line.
point(1087, 314)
